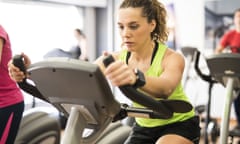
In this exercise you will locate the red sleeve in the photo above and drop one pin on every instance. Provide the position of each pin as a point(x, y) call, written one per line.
point(225, 40)
point(3, 33)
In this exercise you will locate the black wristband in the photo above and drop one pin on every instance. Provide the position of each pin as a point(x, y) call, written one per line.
point(140, 81)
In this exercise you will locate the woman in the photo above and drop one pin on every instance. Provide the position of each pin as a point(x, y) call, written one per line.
point(81, 46)
point(142, 27)
point(11, 98)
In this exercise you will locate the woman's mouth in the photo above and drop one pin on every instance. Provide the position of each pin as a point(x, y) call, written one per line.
point(128, 44)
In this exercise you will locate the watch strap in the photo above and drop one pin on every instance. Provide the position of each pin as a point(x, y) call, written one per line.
point(140, 81)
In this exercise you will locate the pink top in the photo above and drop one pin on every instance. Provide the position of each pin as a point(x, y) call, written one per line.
point(9, 91)
point(231, 39)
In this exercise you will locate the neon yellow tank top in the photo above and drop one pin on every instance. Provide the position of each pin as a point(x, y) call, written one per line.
point(156, 70)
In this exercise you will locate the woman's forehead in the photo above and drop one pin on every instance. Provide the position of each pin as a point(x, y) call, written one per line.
point(126, 15)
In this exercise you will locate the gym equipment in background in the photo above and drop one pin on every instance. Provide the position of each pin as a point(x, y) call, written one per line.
point(39, 126)
point(211, 126)
point(73, 53)
point(224, 68)
point(188, 53)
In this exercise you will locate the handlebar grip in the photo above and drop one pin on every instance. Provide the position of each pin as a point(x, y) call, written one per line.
point(18, 62)
point(203, 76)
point(108, 60)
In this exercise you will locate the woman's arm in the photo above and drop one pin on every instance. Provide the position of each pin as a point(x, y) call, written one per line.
point(83, 47)
point(1, 48)
point(173, 64)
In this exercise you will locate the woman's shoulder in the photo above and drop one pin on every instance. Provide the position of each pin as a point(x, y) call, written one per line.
point(173, 53)
point(173, 56)
point(230, 33)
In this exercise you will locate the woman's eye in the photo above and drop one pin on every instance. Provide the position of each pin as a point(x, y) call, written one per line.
point(120, 27)
point(133, 27)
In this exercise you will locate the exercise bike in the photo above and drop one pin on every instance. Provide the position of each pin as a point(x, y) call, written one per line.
point(210, 130)
point(211, 125)
point(80, 91)
point(224, 69)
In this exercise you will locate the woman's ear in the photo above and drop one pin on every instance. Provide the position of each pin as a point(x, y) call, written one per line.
point(153, 25)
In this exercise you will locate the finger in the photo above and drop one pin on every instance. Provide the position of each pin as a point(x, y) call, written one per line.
point(116, 65)
point(27, 60)
point(120, 74)
point(17, 76)
point(12, 68)
point(123, 79)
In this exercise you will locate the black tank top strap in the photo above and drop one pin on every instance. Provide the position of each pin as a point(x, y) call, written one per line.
point(153, 54)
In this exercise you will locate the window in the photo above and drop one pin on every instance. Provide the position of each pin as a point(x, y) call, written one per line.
point(36, 28)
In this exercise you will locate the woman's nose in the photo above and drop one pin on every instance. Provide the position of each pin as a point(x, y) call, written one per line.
point(126, 32)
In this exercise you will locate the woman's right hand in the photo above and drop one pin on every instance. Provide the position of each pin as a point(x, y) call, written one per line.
point(15, 73)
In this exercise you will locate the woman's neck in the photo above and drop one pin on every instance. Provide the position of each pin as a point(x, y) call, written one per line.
point(145, 52)
point(143, 58)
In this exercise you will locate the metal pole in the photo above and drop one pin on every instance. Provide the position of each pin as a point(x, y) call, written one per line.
point(74, 128)
point(224, 130)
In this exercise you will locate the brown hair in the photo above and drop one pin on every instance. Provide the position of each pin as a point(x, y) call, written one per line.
point(152, 10)
point(80, 32)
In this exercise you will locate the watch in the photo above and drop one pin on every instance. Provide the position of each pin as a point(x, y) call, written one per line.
point(140, 81)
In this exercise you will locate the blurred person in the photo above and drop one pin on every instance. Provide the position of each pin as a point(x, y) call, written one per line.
point(231, 39)
point(11, 97)
point(81, 47)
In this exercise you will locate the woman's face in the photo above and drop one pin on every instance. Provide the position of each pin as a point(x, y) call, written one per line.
point(134, 29)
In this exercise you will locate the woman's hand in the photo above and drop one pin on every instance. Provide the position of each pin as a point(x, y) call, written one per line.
point(119, 73)
point(15, 73)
